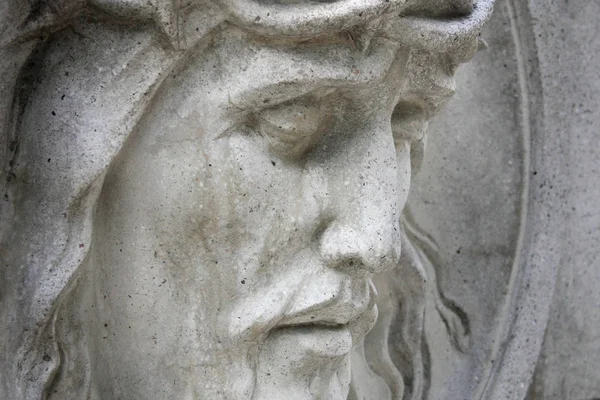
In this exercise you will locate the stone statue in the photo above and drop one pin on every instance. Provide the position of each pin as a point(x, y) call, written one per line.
point(202, 199)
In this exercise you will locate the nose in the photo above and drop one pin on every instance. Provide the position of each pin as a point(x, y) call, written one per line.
point(368, 179)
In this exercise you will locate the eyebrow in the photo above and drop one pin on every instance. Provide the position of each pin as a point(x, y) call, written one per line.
point(261, 97)
point(265, 82)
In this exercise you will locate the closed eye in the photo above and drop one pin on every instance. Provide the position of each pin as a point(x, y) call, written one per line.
point(292, 128)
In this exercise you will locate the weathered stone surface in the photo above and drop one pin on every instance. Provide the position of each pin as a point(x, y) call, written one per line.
point(569, 52)
point(202, 200)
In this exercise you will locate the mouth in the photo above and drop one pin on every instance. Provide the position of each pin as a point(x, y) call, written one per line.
point(343, 319)
point(338, 305)
point(327, 321)
point(307, 328)
point(331, 304)
point(325, 338)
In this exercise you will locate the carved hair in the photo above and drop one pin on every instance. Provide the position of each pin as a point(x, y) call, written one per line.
point(45, 233)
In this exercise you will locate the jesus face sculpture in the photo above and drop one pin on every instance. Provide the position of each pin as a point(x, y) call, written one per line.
point(238, 229)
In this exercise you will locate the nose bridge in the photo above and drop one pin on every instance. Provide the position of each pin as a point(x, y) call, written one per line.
point(363, 181)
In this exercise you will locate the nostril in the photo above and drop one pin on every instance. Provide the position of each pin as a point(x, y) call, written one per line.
point(354, 266)
point(348, 250)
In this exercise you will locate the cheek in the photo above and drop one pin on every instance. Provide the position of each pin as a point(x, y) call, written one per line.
point(404, 172)
point(253, 210)
point(247, 188)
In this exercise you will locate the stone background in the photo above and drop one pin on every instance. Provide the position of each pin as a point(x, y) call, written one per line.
point(559, 51)
point(568, 42)
point(467, 198)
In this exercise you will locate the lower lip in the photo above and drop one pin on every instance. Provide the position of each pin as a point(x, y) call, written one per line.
point(318, 340)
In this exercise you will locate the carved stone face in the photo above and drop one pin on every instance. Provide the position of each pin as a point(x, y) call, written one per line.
point(239, 227)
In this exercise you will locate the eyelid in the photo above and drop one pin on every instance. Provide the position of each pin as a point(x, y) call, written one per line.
point(291, 128)
point(296, 118)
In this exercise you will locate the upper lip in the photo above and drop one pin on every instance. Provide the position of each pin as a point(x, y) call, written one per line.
point(328, 298)
point(340, 308)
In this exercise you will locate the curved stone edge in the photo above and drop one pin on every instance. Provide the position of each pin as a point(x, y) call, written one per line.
point(536, 264)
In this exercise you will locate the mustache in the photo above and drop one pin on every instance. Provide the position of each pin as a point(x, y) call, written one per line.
point(315, 295)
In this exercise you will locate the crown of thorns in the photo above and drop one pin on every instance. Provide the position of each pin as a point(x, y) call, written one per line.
point(434, 25)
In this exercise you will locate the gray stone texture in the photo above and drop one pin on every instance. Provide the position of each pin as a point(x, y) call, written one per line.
point(506, 196)
point(568, 47)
